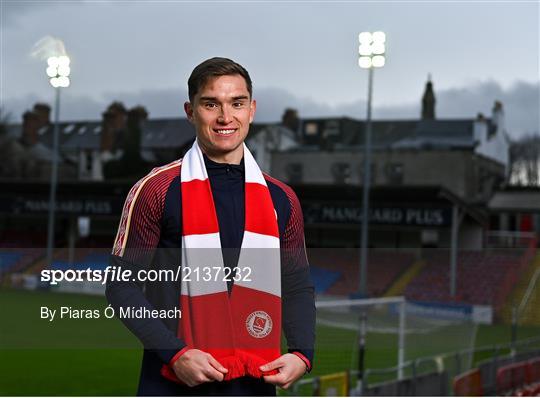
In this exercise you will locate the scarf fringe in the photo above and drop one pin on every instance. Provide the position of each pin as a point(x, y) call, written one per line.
point(240, 364)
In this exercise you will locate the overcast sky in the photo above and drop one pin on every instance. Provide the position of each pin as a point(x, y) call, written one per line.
point(300, 54)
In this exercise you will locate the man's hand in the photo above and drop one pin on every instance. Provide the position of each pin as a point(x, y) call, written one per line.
point(195, 367)
point(290, 367)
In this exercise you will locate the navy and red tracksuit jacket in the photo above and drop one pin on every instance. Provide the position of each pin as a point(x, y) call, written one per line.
point(152, 239)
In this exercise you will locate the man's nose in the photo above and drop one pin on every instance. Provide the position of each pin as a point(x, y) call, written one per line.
point(225, 115)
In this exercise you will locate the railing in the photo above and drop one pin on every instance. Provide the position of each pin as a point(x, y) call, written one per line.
point(448, 365)
point(528, 293)
point(510, 239)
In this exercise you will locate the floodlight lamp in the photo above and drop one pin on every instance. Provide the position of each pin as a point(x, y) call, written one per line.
point(365, 38)
point(63, 60)
point(52, 62)
point(64, 70)
point(52, 71)
point(364, 49)
point(63, 81)
point(364, 62)
point(378, 48)
point(55, 82)
point(379, 37)
point(378, 61)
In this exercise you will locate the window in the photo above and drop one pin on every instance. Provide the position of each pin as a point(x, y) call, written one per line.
point(311, 128)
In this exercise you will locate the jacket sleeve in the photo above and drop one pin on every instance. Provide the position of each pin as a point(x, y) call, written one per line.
point(134, 246)
point(298, 300)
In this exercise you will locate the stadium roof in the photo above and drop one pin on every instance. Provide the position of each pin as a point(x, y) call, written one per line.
point(516, 199)
point(423, 196)
point(105, 198)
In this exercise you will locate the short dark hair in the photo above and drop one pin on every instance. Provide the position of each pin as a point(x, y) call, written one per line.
point(215, 67)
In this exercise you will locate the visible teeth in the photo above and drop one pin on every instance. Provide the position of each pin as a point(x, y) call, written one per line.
point(225, 132)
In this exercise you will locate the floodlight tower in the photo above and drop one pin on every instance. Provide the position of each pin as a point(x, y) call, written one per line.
point(372, 51)
point(58, 71)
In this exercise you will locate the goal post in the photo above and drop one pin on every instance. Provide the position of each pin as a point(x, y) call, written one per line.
point(385, 315)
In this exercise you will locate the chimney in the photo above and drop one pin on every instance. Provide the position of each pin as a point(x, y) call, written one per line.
point(428, 101)
point(43, 113)
point(290, 119)
point(132, 140)
point(114, 120)
point(498, 115)
point(137, 115)
point(30, 128)
point(480, 128)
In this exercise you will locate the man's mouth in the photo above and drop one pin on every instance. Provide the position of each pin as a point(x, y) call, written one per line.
point(224, 131)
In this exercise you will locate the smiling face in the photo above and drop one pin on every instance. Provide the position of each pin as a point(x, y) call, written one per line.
point(221, 112)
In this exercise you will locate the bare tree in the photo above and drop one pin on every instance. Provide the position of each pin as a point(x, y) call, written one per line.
point(4, 121)
point(525, 161)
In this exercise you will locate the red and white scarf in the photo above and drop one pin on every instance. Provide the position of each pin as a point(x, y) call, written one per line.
point(241, 330)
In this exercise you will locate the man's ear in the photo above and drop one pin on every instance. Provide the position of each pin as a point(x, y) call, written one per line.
point(253, 108)
point(188, 108)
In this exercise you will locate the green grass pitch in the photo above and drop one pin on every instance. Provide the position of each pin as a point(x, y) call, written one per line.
point(100, 357)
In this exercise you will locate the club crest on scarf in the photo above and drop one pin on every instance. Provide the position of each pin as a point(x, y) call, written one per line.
point(259, 324)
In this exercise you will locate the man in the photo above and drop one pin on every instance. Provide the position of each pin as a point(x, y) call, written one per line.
point(217, 206)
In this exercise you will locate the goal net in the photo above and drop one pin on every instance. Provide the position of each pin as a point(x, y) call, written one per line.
point(379, 339)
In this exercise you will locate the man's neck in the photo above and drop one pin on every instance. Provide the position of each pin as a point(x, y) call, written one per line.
point(229, 158)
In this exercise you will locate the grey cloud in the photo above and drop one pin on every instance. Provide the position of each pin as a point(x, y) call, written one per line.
point(521, 103)
point(13, 11)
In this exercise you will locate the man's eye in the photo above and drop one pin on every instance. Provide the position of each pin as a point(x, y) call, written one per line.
point(238, 104)
point(210, 105)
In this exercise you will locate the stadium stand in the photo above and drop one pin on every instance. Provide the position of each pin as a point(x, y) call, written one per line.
point(90, 253)
point(18, 251)
point(469, 384)
point(483, 277)
point(83, 258)
point(91, 261)
point(384, 267)
point(323, 278)
point(533, 371)
point(511, 378)
point(23, 252)
point(7, 259)
point(22, 239)
point(520, 378)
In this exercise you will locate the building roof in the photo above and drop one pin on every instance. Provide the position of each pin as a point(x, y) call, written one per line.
point(341, 132)
point(83, 136)
point(386, 132)
point(77, 134)
point(438, 133)
point(166, 133)
point(156, 133)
